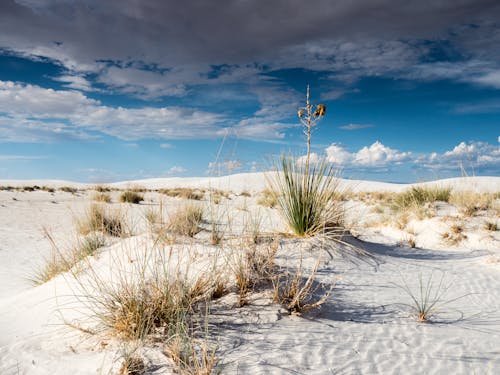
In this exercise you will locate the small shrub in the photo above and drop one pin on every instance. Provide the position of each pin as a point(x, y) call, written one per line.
point(245, 194)
point(131, 197)
point(186, 220)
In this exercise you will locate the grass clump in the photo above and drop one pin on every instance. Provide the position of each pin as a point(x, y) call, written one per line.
point(428, 298)
point(186, 220)
point(131, 197)
point(68, 189)
point(491, 226)
point(455, 235)
point(417, 196)
point(268, 198)
point(185, 193)
point(132, 364)
point(307, 197)
point(101, 197)
point(299, 292)
point(98, 219)
point(102, 189)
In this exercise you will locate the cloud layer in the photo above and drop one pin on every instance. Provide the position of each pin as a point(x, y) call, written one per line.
point(158, 48)
point(479, 156)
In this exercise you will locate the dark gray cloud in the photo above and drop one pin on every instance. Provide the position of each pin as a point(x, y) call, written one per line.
point(170, 33)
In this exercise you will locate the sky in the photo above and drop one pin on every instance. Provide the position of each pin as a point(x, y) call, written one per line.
point(101, 91)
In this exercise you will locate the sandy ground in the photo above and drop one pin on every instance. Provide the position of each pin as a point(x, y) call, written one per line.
point(365, 327)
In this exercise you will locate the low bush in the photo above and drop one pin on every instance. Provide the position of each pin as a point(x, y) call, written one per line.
point(131, 197)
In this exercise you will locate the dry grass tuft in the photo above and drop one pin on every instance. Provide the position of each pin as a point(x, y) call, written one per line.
point(68, 189)
point(102, 197)
point(491, 226)
point(132, 364)
point(99, 219)
point(186, 220)
point(268, 198)
point(299, 292)
point(455, 235)
point(131, 197)
point(253, 266)
point(408, 241)
point(102, 189)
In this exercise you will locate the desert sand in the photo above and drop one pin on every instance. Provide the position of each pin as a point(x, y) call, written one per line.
point(366, 326)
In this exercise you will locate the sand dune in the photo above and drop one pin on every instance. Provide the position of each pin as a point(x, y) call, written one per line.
point(365, 327)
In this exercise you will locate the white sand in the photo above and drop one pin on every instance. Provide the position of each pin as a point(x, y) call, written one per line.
point(364, 328)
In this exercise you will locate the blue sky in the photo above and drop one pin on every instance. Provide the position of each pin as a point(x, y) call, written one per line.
point(105, 91)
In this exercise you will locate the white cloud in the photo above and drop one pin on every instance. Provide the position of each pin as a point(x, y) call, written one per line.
point(478, 155)
point(337, 154)
point(165, 145)
point(355, 126)
point(75, 81)
point(228, 166)
point(313, 158)
point(175, 170)
point(20, 157)
point(379, 155)
point(374, 156)
point(37, 113)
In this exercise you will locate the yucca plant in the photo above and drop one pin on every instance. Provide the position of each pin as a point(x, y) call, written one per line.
point(307, 196)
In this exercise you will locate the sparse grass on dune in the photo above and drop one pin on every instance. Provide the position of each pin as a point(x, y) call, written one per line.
point(131, 197)
point(469, 202)
point(185, 193)
point(98, 218)
point(148, 299)
point(308, 198)
point(68, 189)
point(418, 196)
point(61, 261)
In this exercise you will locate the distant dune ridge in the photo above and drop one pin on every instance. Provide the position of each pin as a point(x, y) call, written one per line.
point(257, 182)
